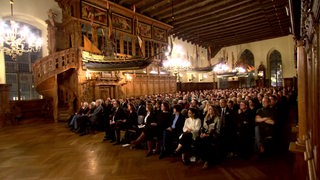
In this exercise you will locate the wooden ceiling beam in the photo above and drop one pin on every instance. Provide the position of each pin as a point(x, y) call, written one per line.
point(234, 33)
point(167, 9)
point(234, 29)
point(154, 5)
point(220, 17)
point(229, 21)
point(224, 29)
point(193, 6)
point(129, 2)
point(219, 13)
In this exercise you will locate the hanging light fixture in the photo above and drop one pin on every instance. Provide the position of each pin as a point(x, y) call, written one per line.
point(16, 40)
point(177, 59)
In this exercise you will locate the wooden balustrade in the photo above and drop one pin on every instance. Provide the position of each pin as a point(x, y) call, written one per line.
point(54, 64)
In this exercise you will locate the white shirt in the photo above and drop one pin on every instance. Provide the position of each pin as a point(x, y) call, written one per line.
point(194, 125)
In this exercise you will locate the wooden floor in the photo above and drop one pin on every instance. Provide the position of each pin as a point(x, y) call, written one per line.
point(39, 149)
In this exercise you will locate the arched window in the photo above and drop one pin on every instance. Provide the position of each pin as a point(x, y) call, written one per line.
point(246, 58)
point(275, 67)
point(19, 72)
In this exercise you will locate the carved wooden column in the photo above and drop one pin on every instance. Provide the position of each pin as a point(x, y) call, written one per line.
point(302, 92)
point(298, 147)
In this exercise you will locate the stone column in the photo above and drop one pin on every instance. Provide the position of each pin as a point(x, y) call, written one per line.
point(302, 92)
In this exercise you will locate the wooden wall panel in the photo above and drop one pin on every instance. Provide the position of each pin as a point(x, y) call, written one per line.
point(144, 87)
point(161, 85)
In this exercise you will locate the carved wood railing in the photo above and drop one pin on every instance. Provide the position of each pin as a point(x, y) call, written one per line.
point(55, 63)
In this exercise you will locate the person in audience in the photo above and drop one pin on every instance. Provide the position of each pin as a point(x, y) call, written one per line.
point(157, 107)
point(264, 126)
point(141, 108)
point(245, 127)
point(149, 130)
point(227, 130)
point(207, 141)
point(82, 111)
point(190, 133)
point(107, 109)
point(162, 122)
point(83, 121)
point(117, 122)
point(132, 123)
point(172, 132)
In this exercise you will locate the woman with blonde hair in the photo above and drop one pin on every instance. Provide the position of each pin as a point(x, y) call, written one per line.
point(208, 136)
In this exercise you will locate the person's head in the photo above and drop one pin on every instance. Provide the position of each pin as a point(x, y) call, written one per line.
point(194, 103)
point(212, 111)
point(158, 104)
point(99, 102)
point(192, 113)
point(92, 105)
point(265, 101)
point(115, 103)
point(244, 105)
point(223, 103)
point(149, 107)
point(273, 100)
point(177, 108)
point(230, 104)
point(165, 107)
point(131, 107)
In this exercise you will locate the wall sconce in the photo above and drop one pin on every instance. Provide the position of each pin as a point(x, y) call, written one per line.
point(203, 76)
point(191, 78)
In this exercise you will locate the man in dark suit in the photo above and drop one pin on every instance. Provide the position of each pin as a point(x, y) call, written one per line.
point(227, 129)
point(107, 113)
point(172, 133)
point(118, 122)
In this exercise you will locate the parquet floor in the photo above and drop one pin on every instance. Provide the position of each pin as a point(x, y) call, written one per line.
point(39, 149)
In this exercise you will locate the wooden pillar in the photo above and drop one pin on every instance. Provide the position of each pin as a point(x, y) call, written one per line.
point(4, 102)
point(55, 100)
point(302, 92)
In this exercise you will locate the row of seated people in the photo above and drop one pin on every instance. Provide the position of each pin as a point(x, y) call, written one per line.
point(219, 129)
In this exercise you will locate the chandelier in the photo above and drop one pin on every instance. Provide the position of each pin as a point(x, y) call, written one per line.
point(221, 68)
point(176, 61)
point(16, 40)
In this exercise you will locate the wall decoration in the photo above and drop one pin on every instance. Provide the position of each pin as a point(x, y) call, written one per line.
point(122, 23)
point(144, 29)
point(93, 13)
point(159, 34)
